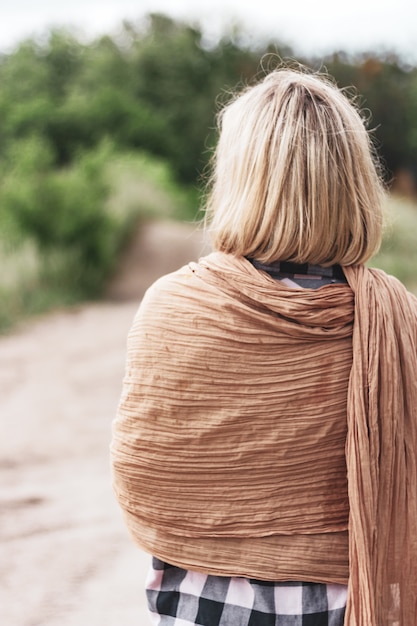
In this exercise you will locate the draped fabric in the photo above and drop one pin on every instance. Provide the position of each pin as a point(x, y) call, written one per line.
point(381, 453)
point(269, 432)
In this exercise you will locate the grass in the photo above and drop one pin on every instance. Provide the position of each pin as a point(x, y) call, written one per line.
point(398, 254)
point(31, 283)
point(144, 187)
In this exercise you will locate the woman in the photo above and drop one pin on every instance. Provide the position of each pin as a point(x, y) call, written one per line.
point(265, 446)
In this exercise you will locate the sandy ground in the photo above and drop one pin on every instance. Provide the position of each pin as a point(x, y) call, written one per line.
point(66, 557)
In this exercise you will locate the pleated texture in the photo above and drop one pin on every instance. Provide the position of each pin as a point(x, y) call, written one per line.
point(381, 453)
point(228, 449)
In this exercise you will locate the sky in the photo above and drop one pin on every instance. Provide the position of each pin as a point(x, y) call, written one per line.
point(312, 27)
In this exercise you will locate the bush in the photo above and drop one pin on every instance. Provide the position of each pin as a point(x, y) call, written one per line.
point(61, 230)
point(61, 211)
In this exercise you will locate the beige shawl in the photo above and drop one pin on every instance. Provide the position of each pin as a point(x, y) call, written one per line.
point(270, 432)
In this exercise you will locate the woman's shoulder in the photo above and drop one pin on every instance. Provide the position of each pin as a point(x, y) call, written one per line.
point(172, 297)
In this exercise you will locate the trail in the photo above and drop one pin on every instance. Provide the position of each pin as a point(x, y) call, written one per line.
point(66, 558)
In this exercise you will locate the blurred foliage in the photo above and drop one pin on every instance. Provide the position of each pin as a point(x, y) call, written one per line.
point(61, 210)
point(95, 135)
point(62, 230)
point(154, 86)
point(398, 254)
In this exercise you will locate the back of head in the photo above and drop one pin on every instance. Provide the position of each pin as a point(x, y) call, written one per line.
point(294, 176)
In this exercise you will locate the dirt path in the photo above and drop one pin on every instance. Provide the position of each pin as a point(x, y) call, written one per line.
point(66, 558)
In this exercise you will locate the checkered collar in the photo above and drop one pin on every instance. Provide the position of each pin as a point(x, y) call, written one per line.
point(287, 269)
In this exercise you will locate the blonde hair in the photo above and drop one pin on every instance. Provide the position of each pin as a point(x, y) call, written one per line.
point(294, 176)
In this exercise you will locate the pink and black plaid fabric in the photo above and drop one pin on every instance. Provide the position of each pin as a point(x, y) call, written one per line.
point(177, 597)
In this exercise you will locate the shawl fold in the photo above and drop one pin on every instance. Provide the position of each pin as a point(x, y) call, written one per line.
point(269, 432)
point(381, 453)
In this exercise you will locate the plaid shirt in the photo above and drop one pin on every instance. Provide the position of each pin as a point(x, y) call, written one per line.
point(302, 275)
point(178, 597)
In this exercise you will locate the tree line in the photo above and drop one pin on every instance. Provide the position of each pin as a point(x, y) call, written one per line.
point(155, 87)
